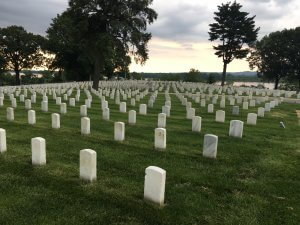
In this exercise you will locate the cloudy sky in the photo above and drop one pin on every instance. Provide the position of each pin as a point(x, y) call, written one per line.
point(180, 38)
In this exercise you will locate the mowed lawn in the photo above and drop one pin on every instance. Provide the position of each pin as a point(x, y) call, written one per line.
point(254, 180)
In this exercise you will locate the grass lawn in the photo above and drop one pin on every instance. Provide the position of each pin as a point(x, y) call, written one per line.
point(254, 180)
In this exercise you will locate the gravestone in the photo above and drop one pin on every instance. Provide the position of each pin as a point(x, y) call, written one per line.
point(88, 165)
point(143, 109)
point(252, 118)
point(63, 108)
point(210, 108)
point(106, 114)
point(55, 120)
point(261, 112)
point(160, 139)
point(38, 150)
point(245, 105)
point(236, 128)
point(210, 146)
point(119, 131)
point(154, 187)
point(166, 110)
point(196, 124)
point(44, 106)
point(235, 110)
point(31, 117)
point(83, 110)
point(123, 107)
point(10, 114)
point(220, 116)
point(162, 120)
point(85, 125)
point(3, 147)
point(72, 102)
point(132, 117)
point(190, 113)
point(27, 104)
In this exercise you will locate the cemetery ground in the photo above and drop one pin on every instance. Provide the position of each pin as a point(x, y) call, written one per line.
point(253, 180)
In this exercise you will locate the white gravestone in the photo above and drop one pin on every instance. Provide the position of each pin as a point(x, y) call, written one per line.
point(88, 165)
point(106, 114)
point(63, 108)
point(154, 187)
point(196, 124)
point(85, 125)
point(210, 108)
point(38, 149)
point(236, 128)
point(143, 109)
point(132, 117)
point(220, 116)
point(252, 118)
point(44, 106)
point(83, 110)
point(162, 120)
point(10, 114)
point(119, 131)
point(160, 136)
point(245, 105)
point(261, 112)
point(3, 147)
point(55, 120)
point(28, 104)
point(123, 107)
point(190, 113)
point(166, 110)
point(31, 117)
point(72, 102)
point(210, 146)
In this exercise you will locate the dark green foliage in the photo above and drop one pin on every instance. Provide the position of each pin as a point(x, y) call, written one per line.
point(20, 49)
point(234, 29)
point(103, 33)
point(277, 56)
point(193, 75)
point(211, 79)
point(66, 46)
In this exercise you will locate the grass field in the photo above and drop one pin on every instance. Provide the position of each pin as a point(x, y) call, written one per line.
point(254, 180)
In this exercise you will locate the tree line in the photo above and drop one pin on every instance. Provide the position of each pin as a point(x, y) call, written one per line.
point(93, 39)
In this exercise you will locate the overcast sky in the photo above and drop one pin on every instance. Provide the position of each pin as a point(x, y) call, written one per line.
point(180, 38)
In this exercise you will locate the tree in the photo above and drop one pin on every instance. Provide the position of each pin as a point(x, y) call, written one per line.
point(193, 75)
point(211, 79)
point(273, 57)
point(109, 32)
point(293, 55)
point(234, 29)
point(20, 49)
point(66, 47)
point(2, 65)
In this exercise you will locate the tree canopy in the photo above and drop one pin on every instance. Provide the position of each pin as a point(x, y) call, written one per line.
point(105, 34)
point(20, 49)
point(277, 56)
point(233, 29)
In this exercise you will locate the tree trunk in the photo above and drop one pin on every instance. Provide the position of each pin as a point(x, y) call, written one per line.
point(276, 83)
point(97, 73)
point(17, 71)
point(224, 73)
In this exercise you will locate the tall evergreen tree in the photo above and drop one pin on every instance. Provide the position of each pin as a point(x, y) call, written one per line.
point(234, 29)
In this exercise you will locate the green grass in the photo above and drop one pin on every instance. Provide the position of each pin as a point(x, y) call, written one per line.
point(254, 180)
